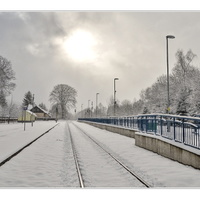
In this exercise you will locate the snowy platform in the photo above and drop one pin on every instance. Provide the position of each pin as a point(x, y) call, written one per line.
point(164, 147)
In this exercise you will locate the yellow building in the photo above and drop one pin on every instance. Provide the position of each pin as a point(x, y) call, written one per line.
point(40, 113)
point(27, 116)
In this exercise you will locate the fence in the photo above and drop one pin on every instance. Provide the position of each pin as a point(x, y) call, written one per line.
point(181, 129)
point(8, 119)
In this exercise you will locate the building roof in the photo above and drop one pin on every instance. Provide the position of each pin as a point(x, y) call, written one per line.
point(31, 113)
point(41, 109)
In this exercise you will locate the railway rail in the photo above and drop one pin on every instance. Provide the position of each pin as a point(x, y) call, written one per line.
point(80, 177)
point(22, 148)
point(123, 165)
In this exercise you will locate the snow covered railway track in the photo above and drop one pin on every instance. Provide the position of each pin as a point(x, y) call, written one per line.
point(80, 178)
point(2, 162)
point(114, 158)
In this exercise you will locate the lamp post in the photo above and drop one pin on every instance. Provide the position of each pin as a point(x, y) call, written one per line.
point(32, 112)
point(115, 79)
point(56, 113)
point(168, 100)
point(82, 110)
point(89, 108)
point(96, 102)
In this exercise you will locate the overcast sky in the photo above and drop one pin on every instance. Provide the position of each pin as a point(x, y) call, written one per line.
point(87, 50)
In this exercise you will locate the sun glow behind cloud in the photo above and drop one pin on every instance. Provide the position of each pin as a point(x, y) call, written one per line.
point(80, 46)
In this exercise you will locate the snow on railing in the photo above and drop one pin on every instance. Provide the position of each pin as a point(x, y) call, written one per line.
point(182, 129)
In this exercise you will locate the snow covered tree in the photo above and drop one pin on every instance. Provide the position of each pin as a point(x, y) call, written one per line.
point(101, 110)
point(3, 101)
point(183, 104)
point(184, 88)
point(155, 97)
point(110, 110)
point(126, 108)
point(28, 99)
point(184, 81)
point(56, 111)
point(64, 96)
point(138, 107)
point(6, 77)
point(13, 109)
point(43, 106)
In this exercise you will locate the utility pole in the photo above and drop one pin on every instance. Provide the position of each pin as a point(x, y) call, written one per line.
point(115, 79)
point(168, 98)
point(96, 102)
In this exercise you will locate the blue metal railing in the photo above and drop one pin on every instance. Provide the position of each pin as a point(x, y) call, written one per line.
point(181, 129)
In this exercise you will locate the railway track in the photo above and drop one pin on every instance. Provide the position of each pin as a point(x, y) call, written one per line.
point(80, 178)
point(124, 166)
point(24, 147)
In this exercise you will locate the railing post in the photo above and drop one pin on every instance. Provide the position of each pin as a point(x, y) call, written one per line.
point(146, 124)
point(139, 123)
point(161, 128)
point(183, 131)
point(168, 124)
point(174, 128)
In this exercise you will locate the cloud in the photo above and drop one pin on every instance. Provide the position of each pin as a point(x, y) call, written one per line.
point(130, 45)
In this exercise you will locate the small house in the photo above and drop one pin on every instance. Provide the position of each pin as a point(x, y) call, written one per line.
point(27, 116)
point(40, 113)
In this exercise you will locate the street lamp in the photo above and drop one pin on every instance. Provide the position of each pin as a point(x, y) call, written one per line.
point(96, 102)
point(115, 79)
point(168, 100)
point(32, 112)
point(89, 108)
point(82, 110)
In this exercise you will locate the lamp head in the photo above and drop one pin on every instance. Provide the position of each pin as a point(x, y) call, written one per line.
point(170, 36)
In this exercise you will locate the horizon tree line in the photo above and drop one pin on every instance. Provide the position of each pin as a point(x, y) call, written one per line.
point(184, 94)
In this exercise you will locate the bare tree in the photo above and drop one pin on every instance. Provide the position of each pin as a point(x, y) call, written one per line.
point(64, 96)
point(6, 77)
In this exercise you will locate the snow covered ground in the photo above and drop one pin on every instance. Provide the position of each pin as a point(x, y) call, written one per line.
point(159, 171)
point(48, 163)
point(13, 136)
point(97, 167)
point(45, 163)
